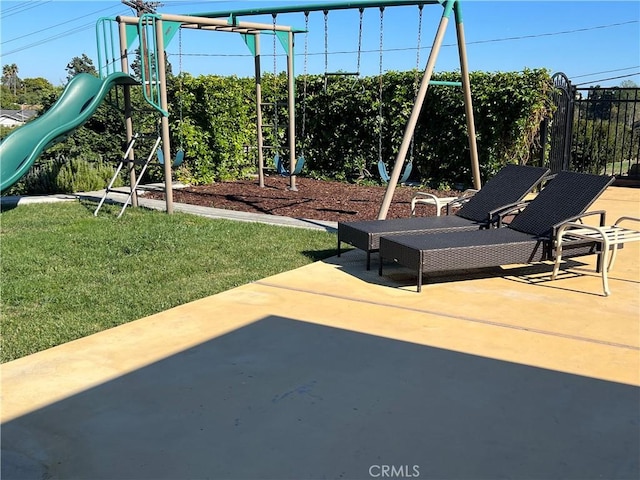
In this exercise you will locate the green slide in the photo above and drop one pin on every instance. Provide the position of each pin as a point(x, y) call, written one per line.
point(80, 99)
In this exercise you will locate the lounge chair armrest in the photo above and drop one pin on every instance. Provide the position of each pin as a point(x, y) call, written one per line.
point(496, 216)
point(461, 199)
point(577, 220)
point(440, 202)
point(621, 219)
point(424, 197)
point(468, 193)
point(418, 195)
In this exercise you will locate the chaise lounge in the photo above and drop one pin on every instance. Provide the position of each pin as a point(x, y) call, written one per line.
point(510, 185)
point(528, 238)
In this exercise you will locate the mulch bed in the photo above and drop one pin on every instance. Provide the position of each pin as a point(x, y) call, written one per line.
point(315, 199)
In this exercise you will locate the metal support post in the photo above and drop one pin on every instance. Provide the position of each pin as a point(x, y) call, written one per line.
point(292, 112)
point(166, 141)
point(258, 76)
point(468, 103)
point(128, 121)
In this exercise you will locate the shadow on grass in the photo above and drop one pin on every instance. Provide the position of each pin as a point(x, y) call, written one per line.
point(318, 255)
point(7, 206)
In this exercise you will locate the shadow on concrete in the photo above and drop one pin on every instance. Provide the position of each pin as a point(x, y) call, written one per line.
point(397, 276)
point(285, 399)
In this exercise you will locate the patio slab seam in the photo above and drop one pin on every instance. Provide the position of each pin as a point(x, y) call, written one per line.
point(448, 315)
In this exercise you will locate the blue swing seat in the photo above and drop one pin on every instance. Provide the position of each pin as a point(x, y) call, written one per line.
point(384, 174)
point(282, 170)
point(176, 163)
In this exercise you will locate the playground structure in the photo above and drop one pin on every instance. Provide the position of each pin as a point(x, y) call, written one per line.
point(115, 37)
point(449, 7)
point(154, 32)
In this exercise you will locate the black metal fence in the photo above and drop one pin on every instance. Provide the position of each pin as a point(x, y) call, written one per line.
point(595, 130)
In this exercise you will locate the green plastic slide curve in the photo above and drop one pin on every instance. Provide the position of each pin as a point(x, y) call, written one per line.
point(79, 100)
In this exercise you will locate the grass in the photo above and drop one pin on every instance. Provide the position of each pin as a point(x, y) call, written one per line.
point(66, 274)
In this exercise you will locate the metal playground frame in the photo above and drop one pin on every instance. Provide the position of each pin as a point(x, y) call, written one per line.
point(155, 31)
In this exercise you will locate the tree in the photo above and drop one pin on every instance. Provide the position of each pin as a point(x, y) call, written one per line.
point(10, 76)
point(81, 64)
point(8, 100)
point(35, 90)
point(136, 66)
point(629, 97)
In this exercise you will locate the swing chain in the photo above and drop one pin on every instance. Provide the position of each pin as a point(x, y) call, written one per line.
point(304, 83)
point(181, 83)
point(275, 88)
point(416, 78)
point(420, 8)
point(326, 47)
point(380, 89)
point(360, 40)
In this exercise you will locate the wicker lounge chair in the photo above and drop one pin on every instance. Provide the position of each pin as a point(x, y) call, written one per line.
point(511, 184)
point(528, 238)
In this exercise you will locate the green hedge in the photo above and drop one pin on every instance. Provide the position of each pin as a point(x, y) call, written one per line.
point(213, 120)
point(342, 128)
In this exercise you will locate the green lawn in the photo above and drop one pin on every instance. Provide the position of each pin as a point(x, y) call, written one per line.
point(66, 274)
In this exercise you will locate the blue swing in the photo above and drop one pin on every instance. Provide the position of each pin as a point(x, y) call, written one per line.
point(282, 170)
point(384, 174)
point(176, 162)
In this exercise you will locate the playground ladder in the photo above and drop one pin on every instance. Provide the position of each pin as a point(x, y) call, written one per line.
point(123, 161)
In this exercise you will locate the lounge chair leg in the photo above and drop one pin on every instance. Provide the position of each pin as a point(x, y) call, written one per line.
point(339, 246)
point(369, 260)
point(556, 267)
point(612, 258)
point(419, 280)
point(604, 266)
point(380, 266)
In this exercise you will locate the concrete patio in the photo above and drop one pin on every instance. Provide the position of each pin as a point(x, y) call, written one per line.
point(330, 371)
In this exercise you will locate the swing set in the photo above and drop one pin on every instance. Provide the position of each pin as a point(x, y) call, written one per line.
point(158, 29)
point(450, 8)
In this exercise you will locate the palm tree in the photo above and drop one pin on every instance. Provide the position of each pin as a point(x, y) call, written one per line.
point(10, 76)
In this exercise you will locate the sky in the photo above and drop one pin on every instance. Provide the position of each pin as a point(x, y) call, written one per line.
point(592, 42)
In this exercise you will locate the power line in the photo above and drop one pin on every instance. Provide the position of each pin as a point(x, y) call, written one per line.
point(610, 78)
point(48, 39)
point(142, 6)
point(64, 34)
point(23, 7)
point(56, 25)
point(605, 71)
point(549, 34)
point(476, 42)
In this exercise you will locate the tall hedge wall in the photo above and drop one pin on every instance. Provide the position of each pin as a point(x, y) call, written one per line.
point(214, 122)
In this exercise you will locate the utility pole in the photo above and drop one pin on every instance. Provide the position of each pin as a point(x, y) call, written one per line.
point(140, 6)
